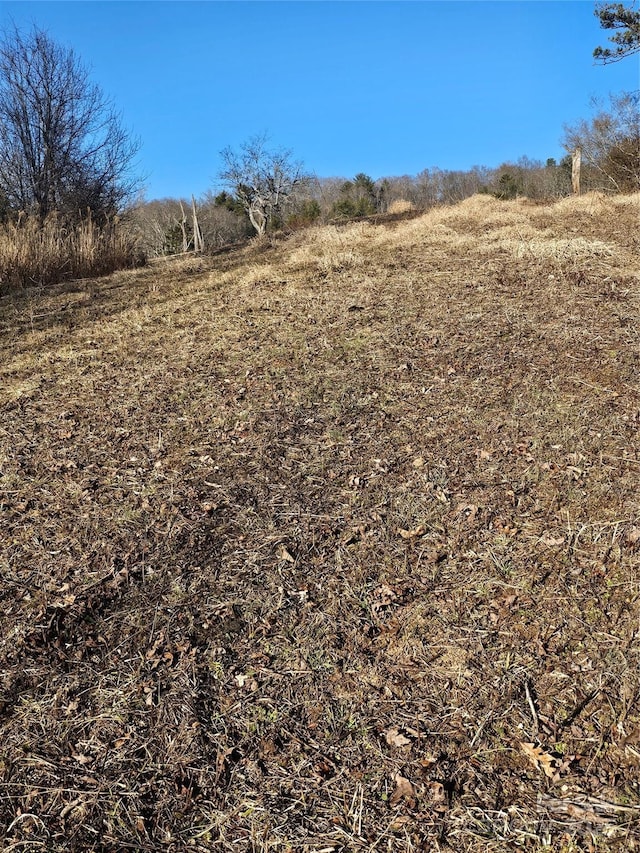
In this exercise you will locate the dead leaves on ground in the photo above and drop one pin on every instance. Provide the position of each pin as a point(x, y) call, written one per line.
point(284, 554)
point(403, 790)
point(432, 795)
point(551, 765)
point(397, 736)
point(383, 597)
point(418, 531)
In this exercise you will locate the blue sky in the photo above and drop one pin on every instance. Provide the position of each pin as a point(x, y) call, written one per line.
point(386, 88)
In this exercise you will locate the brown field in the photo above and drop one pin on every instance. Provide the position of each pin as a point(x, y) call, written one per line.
point(329, 544)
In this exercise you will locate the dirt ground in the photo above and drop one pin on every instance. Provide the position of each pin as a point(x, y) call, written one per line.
point(330, 543)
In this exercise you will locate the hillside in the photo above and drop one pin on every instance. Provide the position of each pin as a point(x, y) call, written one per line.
point(329, 544)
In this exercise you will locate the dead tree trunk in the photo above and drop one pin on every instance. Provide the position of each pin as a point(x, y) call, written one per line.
point(576, 159)
point(183, 228)
point(198, 242)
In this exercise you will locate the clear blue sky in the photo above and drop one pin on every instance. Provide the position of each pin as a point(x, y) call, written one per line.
point(386, 88)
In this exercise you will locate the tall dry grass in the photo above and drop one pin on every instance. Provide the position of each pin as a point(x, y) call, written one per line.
point(401, 205)
point(35, 253)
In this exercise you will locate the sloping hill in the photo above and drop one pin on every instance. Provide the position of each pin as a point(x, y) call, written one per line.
point(331, 544)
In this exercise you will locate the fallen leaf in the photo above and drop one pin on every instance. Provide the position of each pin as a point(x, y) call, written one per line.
point(403, 791)
point(438, 796)
point(283, 554)
point(633, 535)
point(394, 737)
point(541, 760)
point(383, 596)
point(420, 530)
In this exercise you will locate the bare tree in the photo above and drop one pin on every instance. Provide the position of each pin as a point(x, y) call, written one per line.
point(62, 146)
point(158, 225)
point(610, 142)
point(198, 239)
point(263, 181)
point(183, 227)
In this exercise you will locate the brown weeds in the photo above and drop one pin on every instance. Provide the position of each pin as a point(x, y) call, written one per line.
point(331, 545)
point(35, 253)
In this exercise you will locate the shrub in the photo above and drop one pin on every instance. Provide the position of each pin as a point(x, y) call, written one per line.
point(306, 214)
point(508, 187)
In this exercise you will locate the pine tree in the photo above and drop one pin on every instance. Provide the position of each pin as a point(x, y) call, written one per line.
point(625, 19)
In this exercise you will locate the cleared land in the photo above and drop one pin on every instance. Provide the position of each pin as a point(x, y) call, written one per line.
point(331, 544)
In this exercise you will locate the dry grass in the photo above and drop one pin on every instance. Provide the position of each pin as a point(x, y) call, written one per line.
point(32, 253)
point(401, 205)
point(332, 545)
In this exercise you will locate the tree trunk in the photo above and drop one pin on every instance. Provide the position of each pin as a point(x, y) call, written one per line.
point(183, 228)
point(198, 242)
point(258, 220)
point(575, 170)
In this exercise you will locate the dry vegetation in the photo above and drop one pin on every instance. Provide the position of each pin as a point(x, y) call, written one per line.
point(331, 544)
point(35, 253)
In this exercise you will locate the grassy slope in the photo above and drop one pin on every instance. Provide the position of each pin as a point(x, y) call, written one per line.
point(330, 545)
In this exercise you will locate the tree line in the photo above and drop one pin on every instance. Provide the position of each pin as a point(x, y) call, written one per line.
point(268, 190)
point(66, 158)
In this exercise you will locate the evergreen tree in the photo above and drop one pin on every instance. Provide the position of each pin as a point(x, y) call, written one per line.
point(624, 19)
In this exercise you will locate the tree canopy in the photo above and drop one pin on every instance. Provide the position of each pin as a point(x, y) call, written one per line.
point(262, 180)
point(625, 20)
point(62, 145)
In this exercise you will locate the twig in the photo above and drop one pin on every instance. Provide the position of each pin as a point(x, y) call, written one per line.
point(532, 707)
